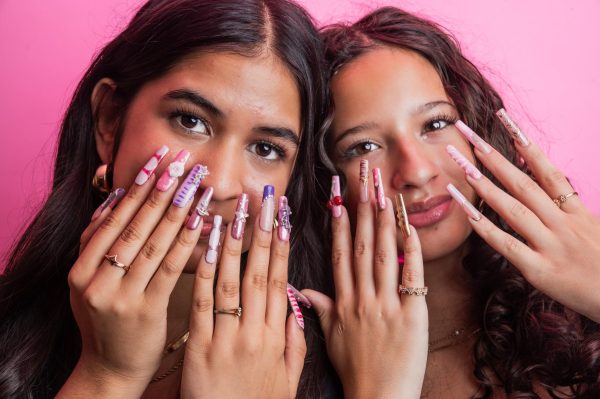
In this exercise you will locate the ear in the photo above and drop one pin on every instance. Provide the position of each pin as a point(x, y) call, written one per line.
point(106, 117)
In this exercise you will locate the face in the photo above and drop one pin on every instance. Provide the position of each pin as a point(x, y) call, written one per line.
point(239, 116)
point(392, 110)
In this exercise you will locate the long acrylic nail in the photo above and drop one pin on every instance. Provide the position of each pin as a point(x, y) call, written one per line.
point(379, 191)
point(267, 208)
point(173, 171)
point(336, 197)
point(295, 308)
point(151, 165)
point(300, 297)
point(241, 214)
point(473, 138)
point(469, 209)
point(402, 216)
point(512, 127)
point(463, 162)
point(111, 201)
point(213, 240)
point(364, 180)
point(285, 227)
point(190, 185)
point(201, 209)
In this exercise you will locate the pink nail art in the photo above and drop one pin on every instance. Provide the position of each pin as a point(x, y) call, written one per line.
point(213, 240)
point(241, 214)
point(379, 191)
point(463, 162)
point(190, 185)
point(151, 165)
point(469, 209)
point(295, 308)
point(473, 138)
point(201, 209)
point(111, 201)
point(512, 127)
point(285, 227)
point(267, 208)
point(335, 197)
point(173, 171)
point(300, 297)
point(364, 180)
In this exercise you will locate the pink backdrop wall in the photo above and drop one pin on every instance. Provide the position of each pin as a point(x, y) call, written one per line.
point(544, 56)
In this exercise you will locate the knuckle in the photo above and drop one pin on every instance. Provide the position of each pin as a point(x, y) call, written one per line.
point(553, 176)
point(360, 248)
point(524, 184)
point(205, 274)
point(74, 280)
point(263, 241)
point(230, 289)
point(518, 210)
point(411, 276)
point(153, 201)
point(259, 281)
point(278, 285)
point(173, 215)
point(511, 244)
point(92, 300)
point(110, 222)
point(185, 240)
point(337, 256)
point(149, 250)
point(279, 254)
point(131, 233)
point(170, 267)
point(380, 257)
point(230, 251)
point(203, 304)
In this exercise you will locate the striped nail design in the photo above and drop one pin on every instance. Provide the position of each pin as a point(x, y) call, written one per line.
point(213, 240)
point(201, 209)
point(463, 162)
point(111, 201)
point(364, 180)
point(473, 137)
point(173, 171)
point(300, 297)
point(241, 214)
point(379, 191)
point(295, 308)
point(151, 165)
point(186, 192)
point(512, 127)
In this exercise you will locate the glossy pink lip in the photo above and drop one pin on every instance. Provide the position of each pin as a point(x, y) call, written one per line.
point(428, 212)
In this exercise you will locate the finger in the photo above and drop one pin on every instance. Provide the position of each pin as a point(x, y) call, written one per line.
point(227, 296)
point(295, 352)
point(549, 177)
point(278, 268)
point(386, 272)
point(413, 275)
point(99, 215)
point(323, 306)
point(364, 242)
point(529, 262)
point(341, 255)
point(256, 275)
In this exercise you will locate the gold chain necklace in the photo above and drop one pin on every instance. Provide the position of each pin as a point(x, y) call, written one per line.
point(170, 348)
point(456, 337)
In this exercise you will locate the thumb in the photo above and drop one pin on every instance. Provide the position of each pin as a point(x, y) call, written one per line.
point(323, 305)
point(295, 351)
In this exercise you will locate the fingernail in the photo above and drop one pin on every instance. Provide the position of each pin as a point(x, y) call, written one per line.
point(190, 185)
point(463, 162)
point(173, 171)
point(364, 180)
point(469, 209)
point(473, 138)
point(151, 165)
point(378, 182)
point(402, 216)
point(111, 201)
point(300, 297)
point(295, 308)
point(512, 127)
point(285, 227)
point(241, 213)
point(267, 208)
point(213, 240)
point(335, 199)
point(201, 209)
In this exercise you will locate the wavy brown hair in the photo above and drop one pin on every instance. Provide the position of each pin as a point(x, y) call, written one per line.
point(527, 339)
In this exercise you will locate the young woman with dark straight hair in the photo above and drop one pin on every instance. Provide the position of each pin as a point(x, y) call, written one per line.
point(219, 97)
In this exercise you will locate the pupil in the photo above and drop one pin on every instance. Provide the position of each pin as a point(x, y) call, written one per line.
point(189, 121)
point(263, 149)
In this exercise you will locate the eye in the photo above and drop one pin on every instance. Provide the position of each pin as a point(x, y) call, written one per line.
point(192, 124)
point(361, 148)
point(438, 123)
point(266, 150)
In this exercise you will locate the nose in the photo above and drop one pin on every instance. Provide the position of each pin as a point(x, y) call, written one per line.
point(225, 169)
point(414, 166)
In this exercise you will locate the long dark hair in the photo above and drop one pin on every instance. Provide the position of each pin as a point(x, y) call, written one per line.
point(526, 337)
point(39, 339)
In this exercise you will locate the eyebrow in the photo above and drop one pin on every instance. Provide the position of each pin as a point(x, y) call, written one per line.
point(428, 106)
point(195, 98)
point(279, 132)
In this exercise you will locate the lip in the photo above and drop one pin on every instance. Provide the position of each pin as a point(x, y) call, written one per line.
point(428, 212)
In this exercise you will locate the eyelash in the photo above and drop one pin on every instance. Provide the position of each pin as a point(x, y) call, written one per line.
point(449, 119)
point(348, 153)
point(281, 152)
point(179, 112)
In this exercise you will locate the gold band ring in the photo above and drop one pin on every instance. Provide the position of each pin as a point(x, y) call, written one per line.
point(112, 259)
point(561, 199)
point(418, 291)
point(233, 311)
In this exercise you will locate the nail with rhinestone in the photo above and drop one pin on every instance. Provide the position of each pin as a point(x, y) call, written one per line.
point(512, 127)
point(336, 197)
point(173, 171)
point(201, 209)
point(285, 227)
point(241, 214)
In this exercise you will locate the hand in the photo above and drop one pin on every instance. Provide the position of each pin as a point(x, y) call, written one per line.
point(376, 338)
point(253, 355)
point(561, 253)
point(121, 315)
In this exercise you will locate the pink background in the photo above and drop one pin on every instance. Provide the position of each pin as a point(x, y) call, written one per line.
point(544, 56)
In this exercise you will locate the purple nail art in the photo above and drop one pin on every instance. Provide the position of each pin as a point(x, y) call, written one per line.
point(241, 214)
point(285, 227)
point(111, 201)
point(267, 209)
point(379, 191)
point(186, 192)
point(213, 240)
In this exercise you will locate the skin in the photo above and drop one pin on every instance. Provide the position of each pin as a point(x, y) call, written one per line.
point(253, 96)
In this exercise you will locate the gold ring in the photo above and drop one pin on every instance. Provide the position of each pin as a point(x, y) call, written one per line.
point(112, 259)
point(418, 291)
point(233, 311)
point(561, 199)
